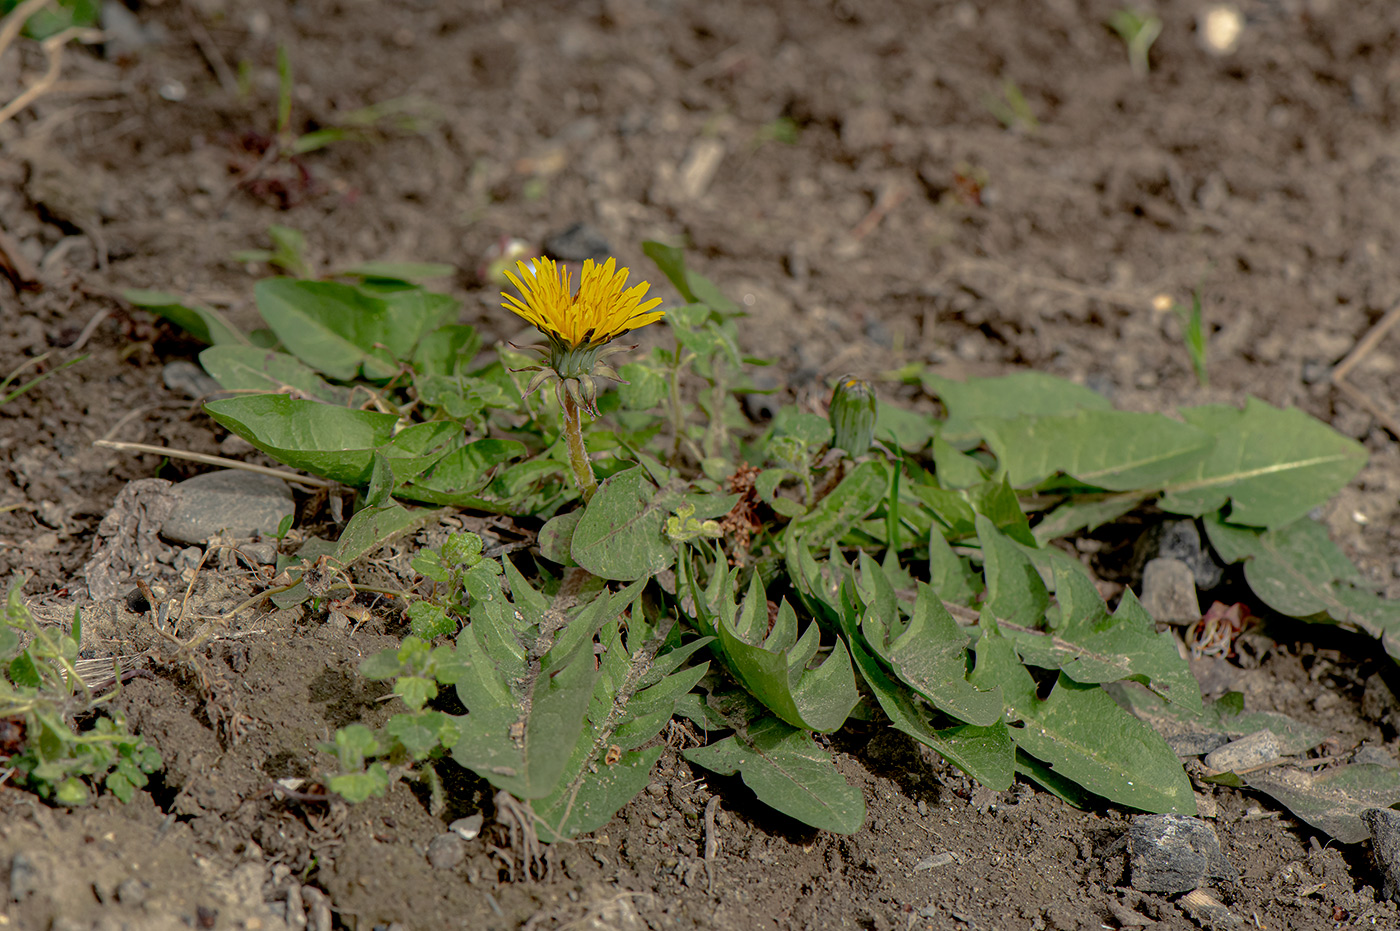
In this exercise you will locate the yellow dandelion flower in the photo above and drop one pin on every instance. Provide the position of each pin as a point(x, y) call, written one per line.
point(602, 309)
point(578, 324)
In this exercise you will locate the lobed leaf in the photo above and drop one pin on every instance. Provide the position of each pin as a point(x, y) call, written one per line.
point(788, 772)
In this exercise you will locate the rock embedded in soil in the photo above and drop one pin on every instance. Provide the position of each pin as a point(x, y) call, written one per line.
point(1179, 539)
point(189, 379)
point(1248, 753)
point(1174, 853)
point(1169, 591)
point(578, 242)
point(1384, 825)
point(446, 851)
point(229, 502)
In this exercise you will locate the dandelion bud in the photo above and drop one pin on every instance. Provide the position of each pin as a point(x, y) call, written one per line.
point(853, 414)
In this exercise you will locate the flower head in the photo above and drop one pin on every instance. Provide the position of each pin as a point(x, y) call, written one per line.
point(577, 324)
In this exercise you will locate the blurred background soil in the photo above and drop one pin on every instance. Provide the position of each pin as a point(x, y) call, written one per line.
point(981, 187)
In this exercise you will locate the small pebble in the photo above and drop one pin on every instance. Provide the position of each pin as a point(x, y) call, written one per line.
point(24, 877)
point(131, 892)
point(576, 243)
point(1169, 591)
point(469, 827)
point(446, 851)
point(1247, 753)
point(189, 379)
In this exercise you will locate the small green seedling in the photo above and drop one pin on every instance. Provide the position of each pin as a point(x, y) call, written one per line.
point(1193, 333)
point(1138, 31)
point(1011, 108)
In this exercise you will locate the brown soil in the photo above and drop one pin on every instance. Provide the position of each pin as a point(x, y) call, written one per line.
point(904, 224)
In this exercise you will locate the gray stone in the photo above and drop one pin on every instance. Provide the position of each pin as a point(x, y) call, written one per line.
point(1375, 755)
point(1378, 702)
point(446, 851)
point(469, 827)
point(1179, 539)
point(231, 503)
point(578, 242)
point(1384, 825)
point(131, 892)
point(1174, 853)
point(124, 36)
point(1195, 743)
point(1169, 591)
point(189, 379)
point(1248, 753)
point(24, 878)
point(318, 909)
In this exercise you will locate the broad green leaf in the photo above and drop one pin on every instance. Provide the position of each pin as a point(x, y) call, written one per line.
point(1089, 645)
point(557, 536)
point(950, 575)
point(1222, 717)
point(773, 667)
point(930, 656)
point(1332, 800)
point(416, 448)
point(808, 429)
point(1085, 735)
point(399, 271)
point(620, 534)
point(335, 442)
point(1082, 512)
point(567, 814)
point(247, 368)
point(985, 753)
point(446, 350)
point(1273, 465)
point(956, 469)
point(1298, 571)
point(997, 500)
point(373, 528)
point(204, 324)
point(595, 787)
point(857, 495)
point(457, 477)
point(788, 772)
point(1016, 395)
point(1015, 591)
point(332, 327)
point(412, 312)
point(1117, 450)
point(910, 430)
point(950, 509)
point(524, 754)
point(643, 386)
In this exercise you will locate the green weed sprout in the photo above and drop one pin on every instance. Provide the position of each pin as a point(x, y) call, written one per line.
point(1193, 331)
point(1138, 31)
point(41, 693)
point(577, 327)
point(1011, 108)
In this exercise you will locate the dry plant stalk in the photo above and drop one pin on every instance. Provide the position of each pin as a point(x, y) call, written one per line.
point(53, 51)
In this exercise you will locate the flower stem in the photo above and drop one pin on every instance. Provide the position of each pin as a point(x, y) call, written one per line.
point(578, 453)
